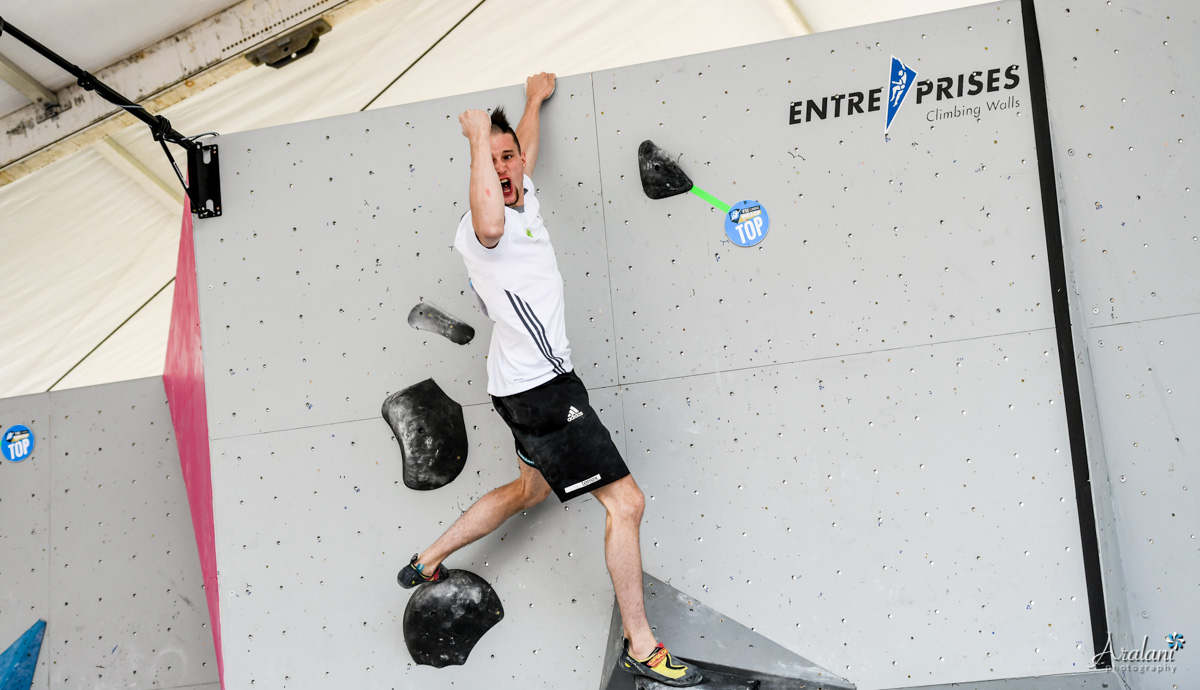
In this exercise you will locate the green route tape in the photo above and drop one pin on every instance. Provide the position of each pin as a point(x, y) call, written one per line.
point(714, 201)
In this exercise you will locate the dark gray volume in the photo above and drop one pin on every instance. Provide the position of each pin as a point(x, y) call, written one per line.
point(444, 620)
point(661, 175)
point(426, 317)
point(431, 432)
point(713, 680)
point(730, 655)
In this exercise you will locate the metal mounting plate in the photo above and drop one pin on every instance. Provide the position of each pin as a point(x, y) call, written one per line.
point(204, 181)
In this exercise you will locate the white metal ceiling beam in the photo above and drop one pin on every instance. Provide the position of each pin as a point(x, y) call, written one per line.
point(157, 77)
point(31, 88)
point(169, 195)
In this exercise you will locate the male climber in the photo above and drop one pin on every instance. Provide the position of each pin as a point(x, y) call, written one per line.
point(561, 443)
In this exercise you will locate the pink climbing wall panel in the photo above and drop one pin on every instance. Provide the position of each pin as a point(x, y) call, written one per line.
point(183, 376)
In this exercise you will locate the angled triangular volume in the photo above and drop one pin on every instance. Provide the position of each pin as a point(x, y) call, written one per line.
point(732, 656)
point(661, 175)
point(19, 661)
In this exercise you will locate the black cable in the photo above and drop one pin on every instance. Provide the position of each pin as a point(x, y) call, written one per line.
point(173, 165)
point(159, 126)
point(414, 62)
point(157, 123)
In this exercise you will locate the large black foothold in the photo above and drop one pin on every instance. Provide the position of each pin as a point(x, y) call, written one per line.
point(444, 620)
point(661, 175)
point(432, 434)
point(426, 317)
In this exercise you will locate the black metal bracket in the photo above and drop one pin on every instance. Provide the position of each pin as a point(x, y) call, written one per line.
point(204, 174)
point(205, 190)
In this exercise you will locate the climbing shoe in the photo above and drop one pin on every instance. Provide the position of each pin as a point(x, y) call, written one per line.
point(662, 667)
point(410, 575)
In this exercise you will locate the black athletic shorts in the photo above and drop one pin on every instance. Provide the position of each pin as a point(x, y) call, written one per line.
point(559, 434)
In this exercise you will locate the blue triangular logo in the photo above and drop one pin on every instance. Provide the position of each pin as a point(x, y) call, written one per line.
point(19, 661)
point(902, 78)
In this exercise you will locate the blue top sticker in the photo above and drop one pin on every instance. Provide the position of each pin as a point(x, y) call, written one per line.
point(747, 223)
point(18, 443)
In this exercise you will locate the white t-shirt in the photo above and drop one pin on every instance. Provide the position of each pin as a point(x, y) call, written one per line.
point(521, 290)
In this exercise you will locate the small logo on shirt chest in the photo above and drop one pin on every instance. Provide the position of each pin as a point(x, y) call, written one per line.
point(573, 414)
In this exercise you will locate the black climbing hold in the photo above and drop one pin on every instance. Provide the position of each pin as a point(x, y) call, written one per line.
point(444, 620)
point(661, 175)
point(429, 426)
point(426, 317)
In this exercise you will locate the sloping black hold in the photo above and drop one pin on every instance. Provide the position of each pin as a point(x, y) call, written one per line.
point(444, 620)
point(426, 317)
point(432, 434)
point(731, 656)
point(661, 175)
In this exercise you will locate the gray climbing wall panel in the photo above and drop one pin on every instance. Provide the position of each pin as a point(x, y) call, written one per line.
point(852, 436)
point(98, 542)
point(883, 500)
point(857, 258)
point(313, 523)
point(119, 502)
point(861, 433)
point(1126, 153)
point(322, 287)
point(25, 528)
point(1145, 373)
point(1129, 178)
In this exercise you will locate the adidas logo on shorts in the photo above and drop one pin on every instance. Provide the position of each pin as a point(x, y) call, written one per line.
point(573, 414)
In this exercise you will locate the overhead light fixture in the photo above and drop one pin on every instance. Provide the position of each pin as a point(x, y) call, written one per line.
point(291, 46)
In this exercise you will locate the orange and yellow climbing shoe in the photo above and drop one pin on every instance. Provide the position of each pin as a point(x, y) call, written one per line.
point(661, 666)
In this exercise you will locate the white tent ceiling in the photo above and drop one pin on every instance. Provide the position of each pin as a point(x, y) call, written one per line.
point(90, 241)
